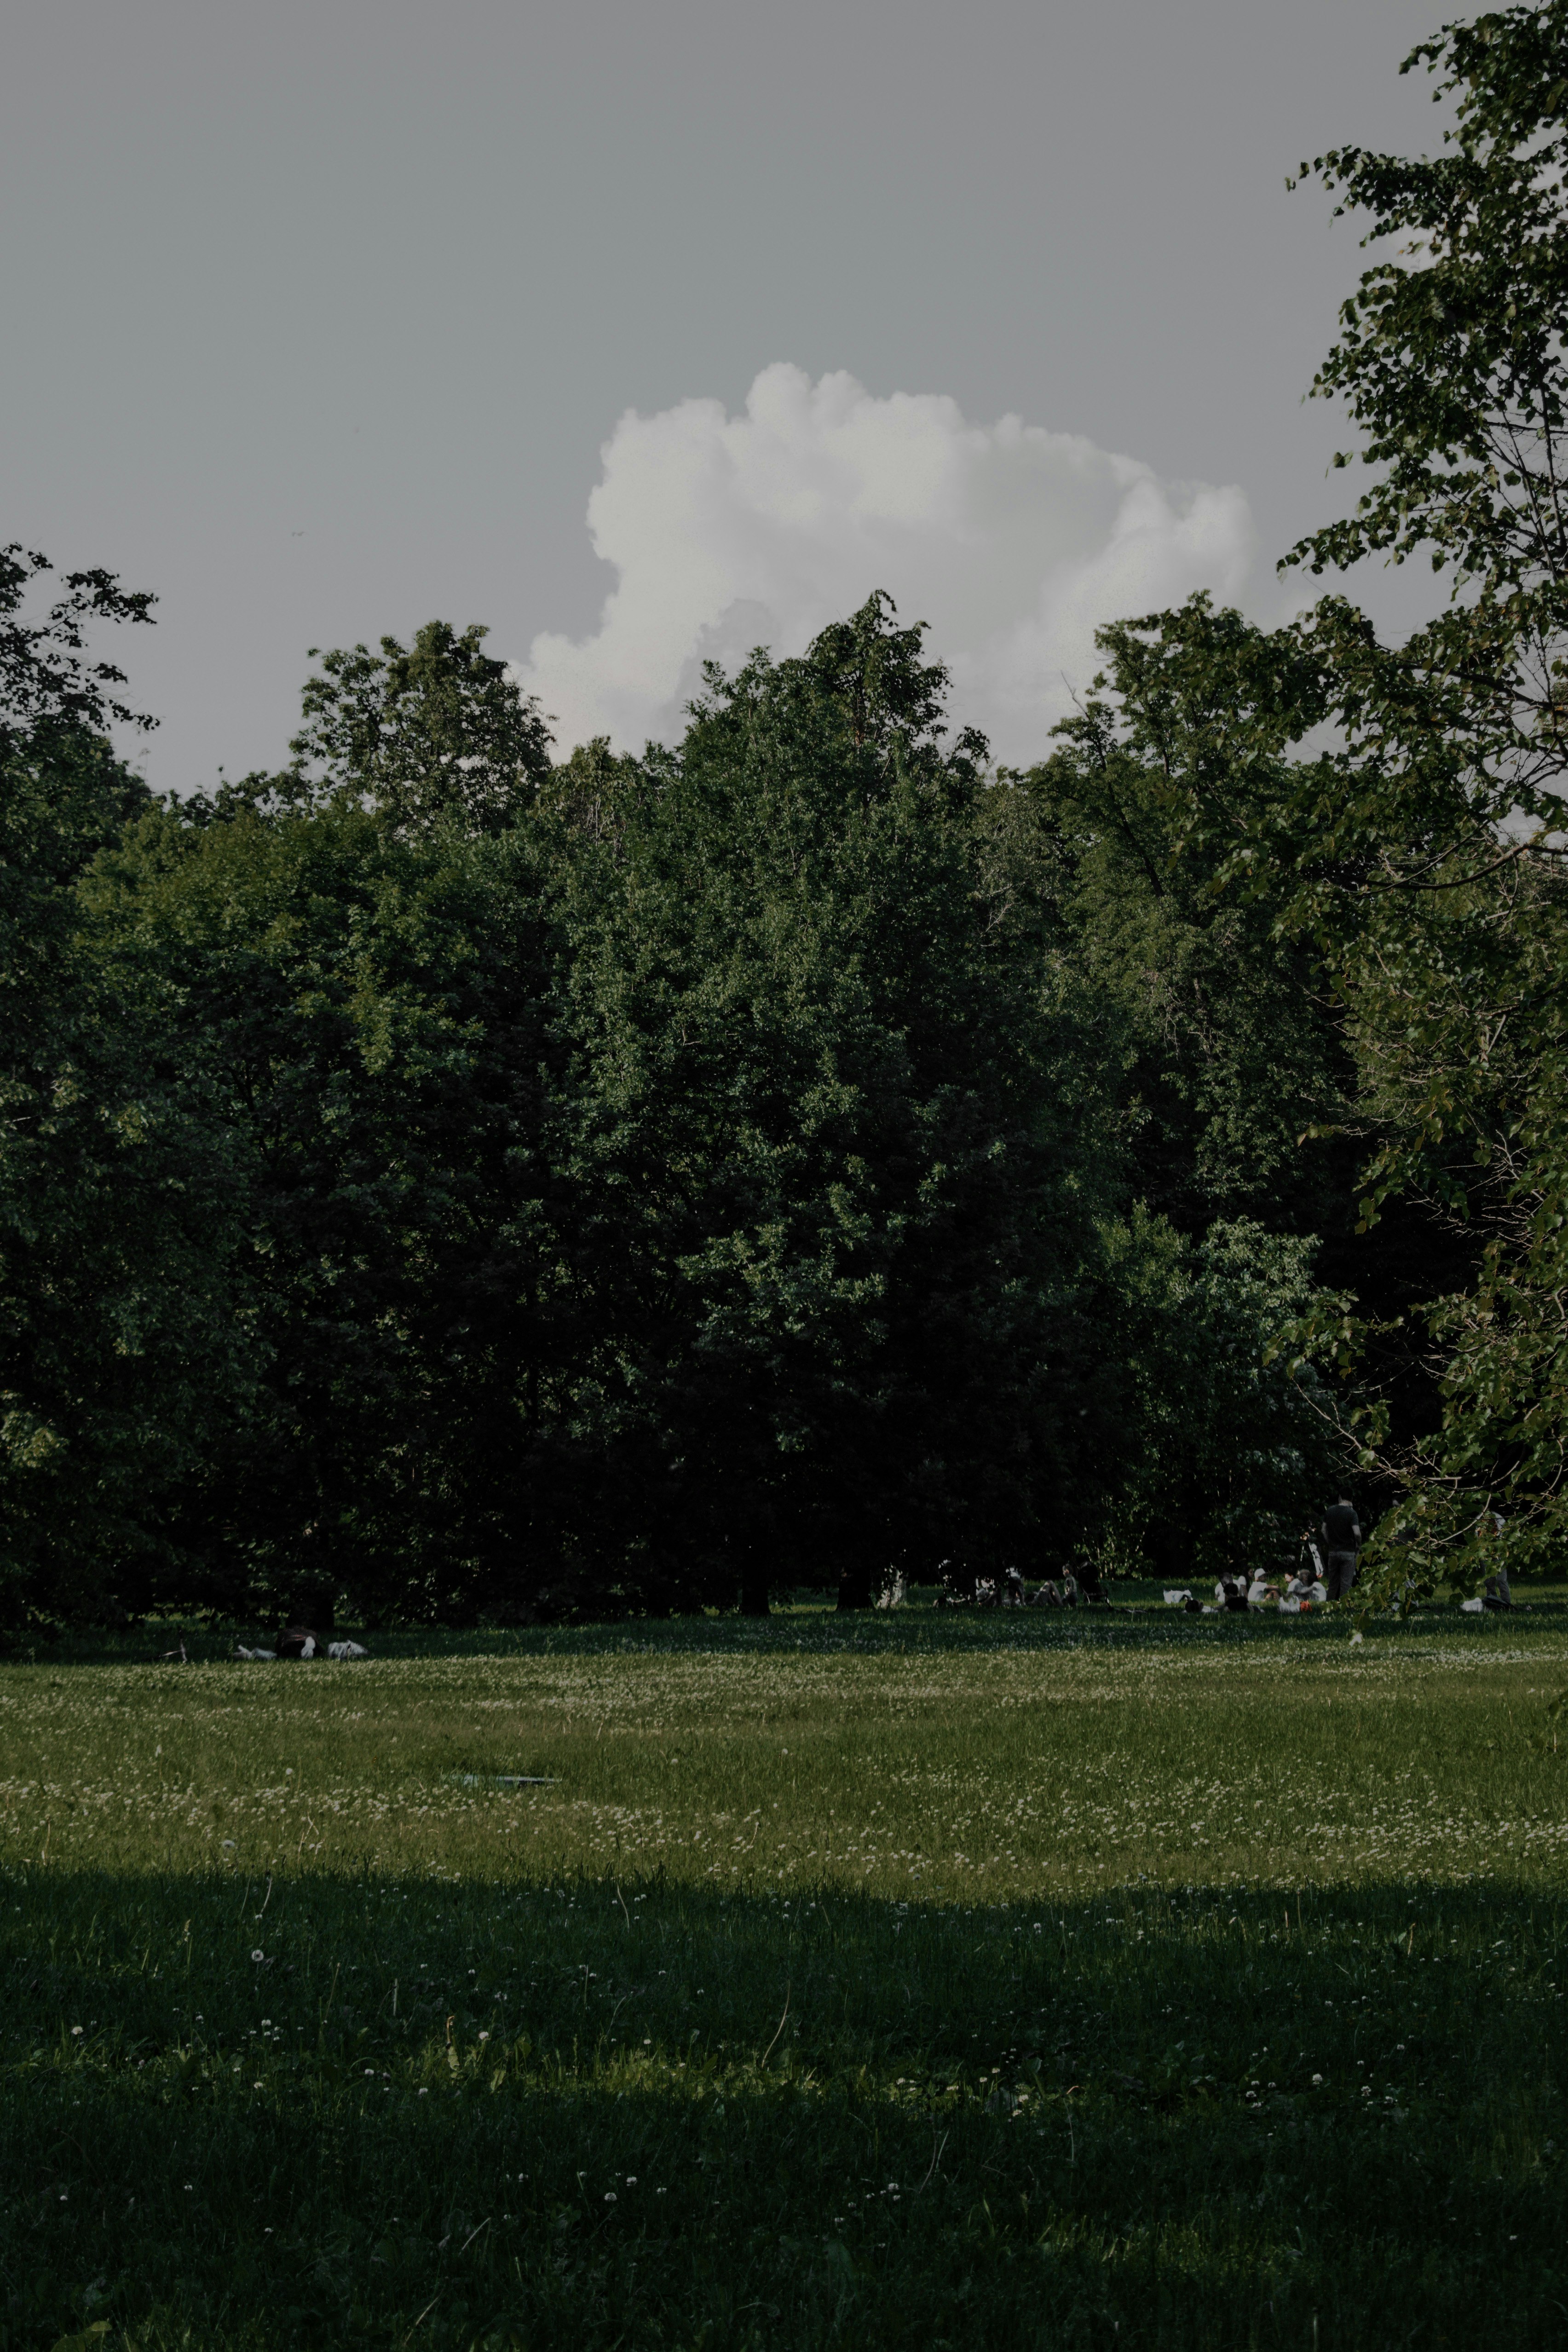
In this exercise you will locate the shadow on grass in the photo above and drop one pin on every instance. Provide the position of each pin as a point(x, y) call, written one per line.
point(315, 2111)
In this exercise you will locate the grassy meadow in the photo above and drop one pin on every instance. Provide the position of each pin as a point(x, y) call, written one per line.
point(1084, 1980)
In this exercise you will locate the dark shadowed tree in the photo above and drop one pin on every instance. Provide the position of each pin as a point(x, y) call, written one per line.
point(368, 1008)
point(850, 1288)
point(118, 1353)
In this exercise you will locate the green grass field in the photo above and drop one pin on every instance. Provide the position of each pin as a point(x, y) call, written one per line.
point(1084, 1980)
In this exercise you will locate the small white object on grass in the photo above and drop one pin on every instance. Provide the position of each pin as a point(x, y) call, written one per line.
point(1472, 1608)
point(347, 1650)
point(1174, 1599)
point(241, 1652)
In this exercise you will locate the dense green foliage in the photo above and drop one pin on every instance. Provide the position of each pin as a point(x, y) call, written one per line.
point(1438, 859)
point(1416, 862)
point(114, 1210)
point(633, 1185)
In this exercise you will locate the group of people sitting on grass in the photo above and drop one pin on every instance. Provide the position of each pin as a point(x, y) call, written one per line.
point(1077, 1587)
point(1303, 1589)
point(302, 1642)
point(1292, 1595)
point(1326, 1572)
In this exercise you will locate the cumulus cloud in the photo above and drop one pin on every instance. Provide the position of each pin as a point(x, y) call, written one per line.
point(1013, 542)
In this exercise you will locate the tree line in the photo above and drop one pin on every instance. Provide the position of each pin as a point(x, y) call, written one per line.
point(456, 1182)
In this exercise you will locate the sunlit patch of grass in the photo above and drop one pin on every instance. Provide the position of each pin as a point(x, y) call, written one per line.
point(1070, 1990)
point(988, 1772)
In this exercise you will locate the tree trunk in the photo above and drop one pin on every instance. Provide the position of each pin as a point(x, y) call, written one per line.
point(754, 1582)
point(855, 1587)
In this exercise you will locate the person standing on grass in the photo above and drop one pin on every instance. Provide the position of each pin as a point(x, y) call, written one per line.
point(1340, 1533)
point(1497, 1593)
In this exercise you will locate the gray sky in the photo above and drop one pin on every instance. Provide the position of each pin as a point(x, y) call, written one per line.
point(319, 315)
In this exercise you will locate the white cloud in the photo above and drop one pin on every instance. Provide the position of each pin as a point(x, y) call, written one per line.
point(1013, 542)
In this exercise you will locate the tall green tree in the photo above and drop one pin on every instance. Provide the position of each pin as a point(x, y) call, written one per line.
point(1440, 841)
point(1210, 1081)
point(852, 1264)
point(1420, 852)
point(368, 1008)
point(116, 1349)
